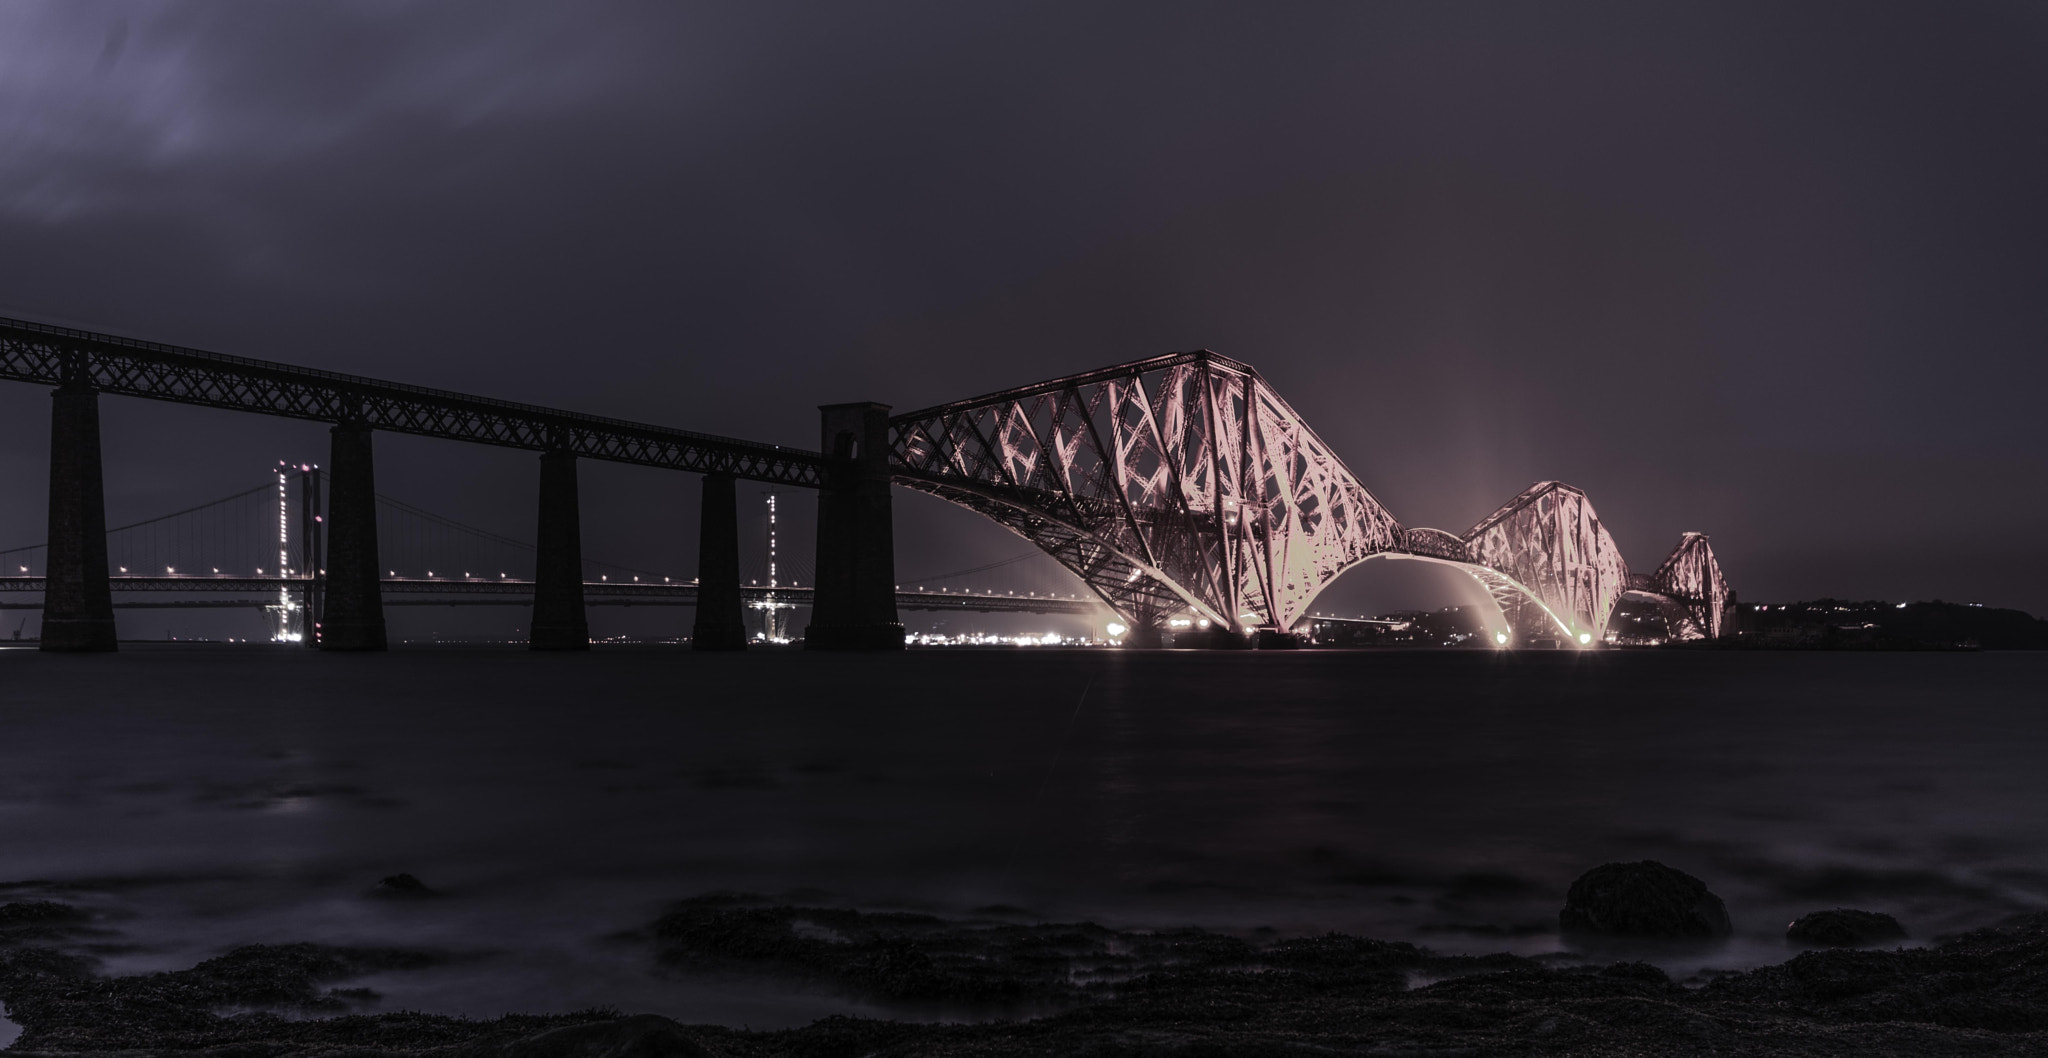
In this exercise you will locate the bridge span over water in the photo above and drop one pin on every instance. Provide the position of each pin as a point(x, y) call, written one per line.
point(1179, 485)
point(261, 593)
point(1184, 483)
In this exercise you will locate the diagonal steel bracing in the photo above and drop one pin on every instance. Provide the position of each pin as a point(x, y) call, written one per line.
point(1177, 483)
point(1185, 484)
point(36, 352)
point(1550, 540)
point(1692, 578)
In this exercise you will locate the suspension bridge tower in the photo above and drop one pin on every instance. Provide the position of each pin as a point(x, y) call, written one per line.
point(774, 625)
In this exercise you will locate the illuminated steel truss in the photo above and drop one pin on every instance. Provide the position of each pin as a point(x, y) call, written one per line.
point(1185, 484)
point(1179, 483)
point(1549, 540)
point(1692, 578)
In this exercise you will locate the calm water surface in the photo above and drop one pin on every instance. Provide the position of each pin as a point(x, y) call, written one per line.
point(205, 798)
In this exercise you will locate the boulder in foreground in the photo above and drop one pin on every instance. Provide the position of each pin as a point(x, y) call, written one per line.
point(1646, 900)
point(1845, 928)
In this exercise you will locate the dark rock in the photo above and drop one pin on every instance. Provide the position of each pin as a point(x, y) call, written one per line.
point(645, 1036)
point(39, 920)
point(1645, 899)
point(38, 913)
point(1093, 991)
point(404, 885)
point(1845, 928)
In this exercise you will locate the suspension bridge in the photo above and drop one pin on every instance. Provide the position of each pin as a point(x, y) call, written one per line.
point(1175, 488)
point(251, 550)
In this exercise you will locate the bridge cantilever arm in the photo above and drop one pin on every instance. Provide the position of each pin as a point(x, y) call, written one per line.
point(1085, 378)
point(1003, 497)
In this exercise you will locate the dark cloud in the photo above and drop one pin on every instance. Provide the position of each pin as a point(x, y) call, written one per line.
point(1767, 271)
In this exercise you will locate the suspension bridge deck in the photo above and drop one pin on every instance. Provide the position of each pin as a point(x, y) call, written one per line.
point(507, 591)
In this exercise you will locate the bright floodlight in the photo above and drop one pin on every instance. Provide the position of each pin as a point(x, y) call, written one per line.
point(1501, 638)
point(1585, 638)
point(1116, 629)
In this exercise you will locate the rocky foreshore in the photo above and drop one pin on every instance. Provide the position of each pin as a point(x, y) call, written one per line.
point(1074, 989)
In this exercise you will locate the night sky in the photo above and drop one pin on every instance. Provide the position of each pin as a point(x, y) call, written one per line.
point(1775, 272)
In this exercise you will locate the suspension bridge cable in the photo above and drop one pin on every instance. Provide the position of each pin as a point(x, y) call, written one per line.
point(193, 510)
point(1012, 560)
point(446, 523)
point(160, 517)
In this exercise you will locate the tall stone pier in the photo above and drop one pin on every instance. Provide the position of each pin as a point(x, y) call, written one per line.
point(854, 606)
point(721, 615)
point(78, 601)
point(353, 615)
point(1144, 635)
point(559, 619)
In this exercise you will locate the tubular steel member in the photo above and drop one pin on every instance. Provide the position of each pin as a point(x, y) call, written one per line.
point(559, 621)
point(854, 606)
point(1184, 484)
point(354, 617)
point(721, 614)
point(1181, 483)
point(1550, 541)
point(78, 614)
point(1691, 578)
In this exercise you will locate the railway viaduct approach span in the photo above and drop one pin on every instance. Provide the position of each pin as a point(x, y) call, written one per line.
point(1180, 484)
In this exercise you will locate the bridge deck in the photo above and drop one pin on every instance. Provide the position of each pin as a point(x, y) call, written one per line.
point(37, 352)
point(512, 592)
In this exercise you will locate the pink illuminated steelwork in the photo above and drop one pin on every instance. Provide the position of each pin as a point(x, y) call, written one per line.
point(1185, 484)
point(1691, 578)
point(1549, 541)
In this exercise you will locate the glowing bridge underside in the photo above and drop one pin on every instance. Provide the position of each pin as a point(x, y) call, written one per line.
point(1185, 484)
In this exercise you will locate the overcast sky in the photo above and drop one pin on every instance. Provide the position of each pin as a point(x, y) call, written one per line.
point(1775, 272)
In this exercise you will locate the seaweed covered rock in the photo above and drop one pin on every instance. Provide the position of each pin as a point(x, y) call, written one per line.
point(1182, 993)
point(1991, 980)
point(1645, 900)
point(1845, 928)
point(893, 955)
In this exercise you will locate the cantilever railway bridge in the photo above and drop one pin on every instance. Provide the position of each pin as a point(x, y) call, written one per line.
point(1184, 483)
point(1175, 485)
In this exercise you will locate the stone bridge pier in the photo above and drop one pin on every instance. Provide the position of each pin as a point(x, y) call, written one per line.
point(721, 615)
point(854, 606)
point(352, 618)
point(78, 600)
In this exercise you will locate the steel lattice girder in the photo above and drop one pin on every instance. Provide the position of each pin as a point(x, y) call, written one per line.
point(34, 352)
point(1692, 576)
point(1550, 540)
point(1182, 482)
